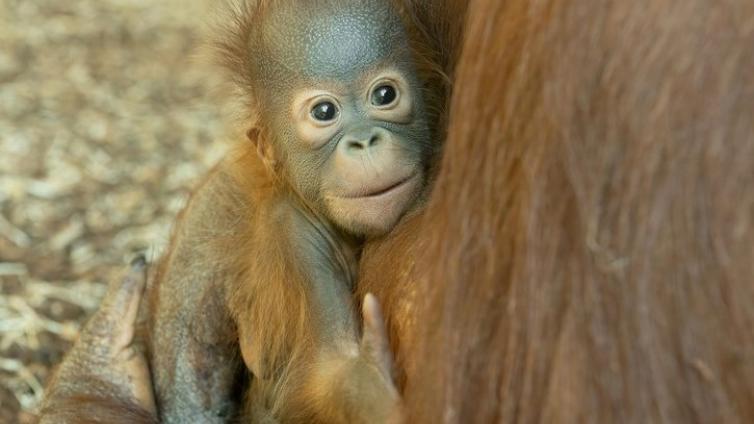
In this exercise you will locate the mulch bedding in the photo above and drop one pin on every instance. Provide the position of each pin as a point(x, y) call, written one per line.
point(106, 122)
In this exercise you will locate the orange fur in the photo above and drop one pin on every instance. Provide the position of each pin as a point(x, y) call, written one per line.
point(589, 241)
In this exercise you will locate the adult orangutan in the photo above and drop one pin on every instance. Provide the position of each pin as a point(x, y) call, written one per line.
point(587, 253)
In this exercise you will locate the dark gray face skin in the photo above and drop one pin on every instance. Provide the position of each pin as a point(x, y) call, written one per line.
point(364, 165)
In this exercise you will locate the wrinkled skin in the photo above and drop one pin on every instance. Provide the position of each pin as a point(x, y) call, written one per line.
point(341, 56)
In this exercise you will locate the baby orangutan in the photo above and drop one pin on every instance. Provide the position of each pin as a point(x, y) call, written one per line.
point(266, 254)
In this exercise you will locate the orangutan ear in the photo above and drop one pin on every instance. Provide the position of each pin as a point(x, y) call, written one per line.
point(263, 147)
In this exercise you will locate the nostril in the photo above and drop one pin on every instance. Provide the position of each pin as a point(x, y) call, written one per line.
point(355, 145)
point(374, 140)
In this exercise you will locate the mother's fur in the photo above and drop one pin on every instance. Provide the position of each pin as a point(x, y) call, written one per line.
point(588, 252)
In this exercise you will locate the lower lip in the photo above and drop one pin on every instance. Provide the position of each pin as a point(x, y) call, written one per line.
point(390, 190)
point(385, 201)
point(394, 189)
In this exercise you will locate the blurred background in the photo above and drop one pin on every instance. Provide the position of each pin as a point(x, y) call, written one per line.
point(107, 120)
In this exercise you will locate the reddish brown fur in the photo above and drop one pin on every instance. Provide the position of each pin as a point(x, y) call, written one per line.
point(590, 238)
point(285, 331)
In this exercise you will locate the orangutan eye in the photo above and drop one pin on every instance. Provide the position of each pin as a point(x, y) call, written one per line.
point(324, 111)
point(384, 95)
